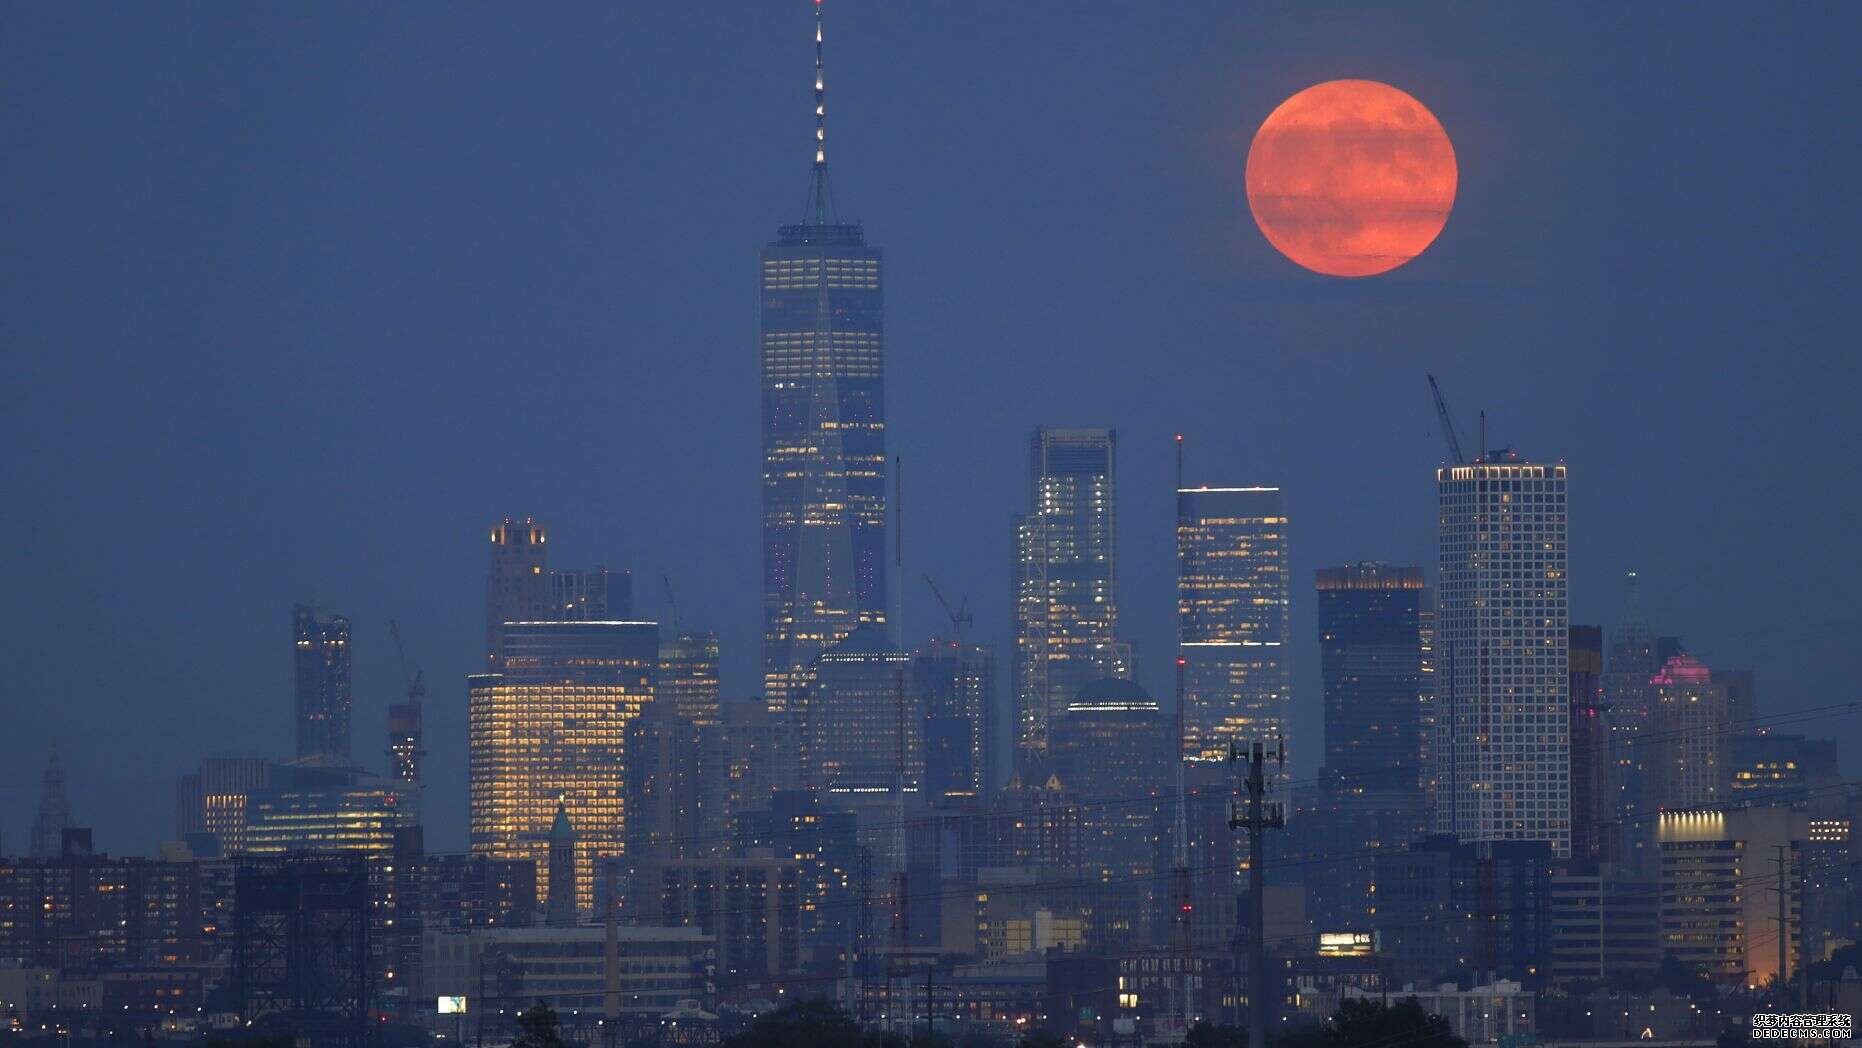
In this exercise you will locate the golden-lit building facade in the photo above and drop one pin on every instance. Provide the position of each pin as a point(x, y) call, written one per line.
point(1232, 617)
point(1719, 902)
point(213, 799)
point(552, 728)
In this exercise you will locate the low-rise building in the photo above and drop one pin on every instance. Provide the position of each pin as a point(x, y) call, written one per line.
point(510, 968)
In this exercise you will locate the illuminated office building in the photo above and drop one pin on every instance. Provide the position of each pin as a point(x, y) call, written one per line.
point(214, 799)
point(1066, 578)
point(1719, 904)
point(1771, 768)
point(552, 729)
point(341, 820)
point(688, 676)
point(321, 662)
point(822, 345)
point(1503, 644)
point(1232, 617)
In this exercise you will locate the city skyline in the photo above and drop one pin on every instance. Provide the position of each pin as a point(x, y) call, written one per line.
point(1205, 576)
point(244, 704)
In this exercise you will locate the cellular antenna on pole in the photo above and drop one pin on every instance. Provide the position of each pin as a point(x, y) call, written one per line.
point(818, 191)
point(1261, 815)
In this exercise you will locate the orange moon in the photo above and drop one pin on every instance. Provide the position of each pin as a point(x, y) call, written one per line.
point(1351, 178)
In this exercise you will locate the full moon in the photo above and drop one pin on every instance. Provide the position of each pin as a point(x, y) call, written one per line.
point(1351, 178)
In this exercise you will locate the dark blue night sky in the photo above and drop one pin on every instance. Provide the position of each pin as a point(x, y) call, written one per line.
point(297, 300)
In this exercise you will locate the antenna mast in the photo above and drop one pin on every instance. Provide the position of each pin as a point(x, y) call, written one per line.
point(1182, 906)
point(901, 890)
point(819, 192)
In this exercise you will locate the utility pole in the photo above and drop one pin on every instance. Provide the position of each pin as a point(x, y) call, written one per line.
point(930, 997)
point(611, 960)
point(1784, 927)
point(1262, 816)
point(1803, 975)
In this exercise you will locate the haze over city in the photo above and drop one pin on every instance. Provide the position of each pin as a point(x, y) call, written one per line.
point(303, 302)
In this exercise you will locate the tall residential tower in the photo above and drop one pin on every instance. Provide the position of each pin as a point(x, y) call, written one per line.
point(1503, 699)
point(822, 345)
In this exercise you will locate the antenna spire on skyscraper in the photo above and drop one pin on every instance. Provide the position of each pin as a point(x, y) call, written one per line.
point(818, 189)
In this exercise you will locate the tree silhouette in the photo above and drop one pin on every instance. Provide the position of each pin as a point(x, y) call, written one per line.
point(810, 1024)
point(1361, 1023)
point(537, 1028)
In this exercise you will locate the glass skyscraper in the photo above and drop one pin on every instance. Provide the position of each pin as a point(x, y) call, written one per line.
point(1066, 578)
point(1232, 621)
point(822, 345)
point(1370, 671)
point(1502, 644)
point(1370, 668)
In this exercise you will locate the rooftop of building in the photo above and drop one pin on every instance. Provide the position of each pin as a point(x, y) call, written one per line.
point(1111, 694)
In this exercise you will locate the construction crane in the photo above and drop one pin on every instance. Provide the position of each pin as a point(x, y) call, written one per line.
point(404, 734)
point(416, 689)
point(672, 603)
point(959, 616)
point(1448, 424)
